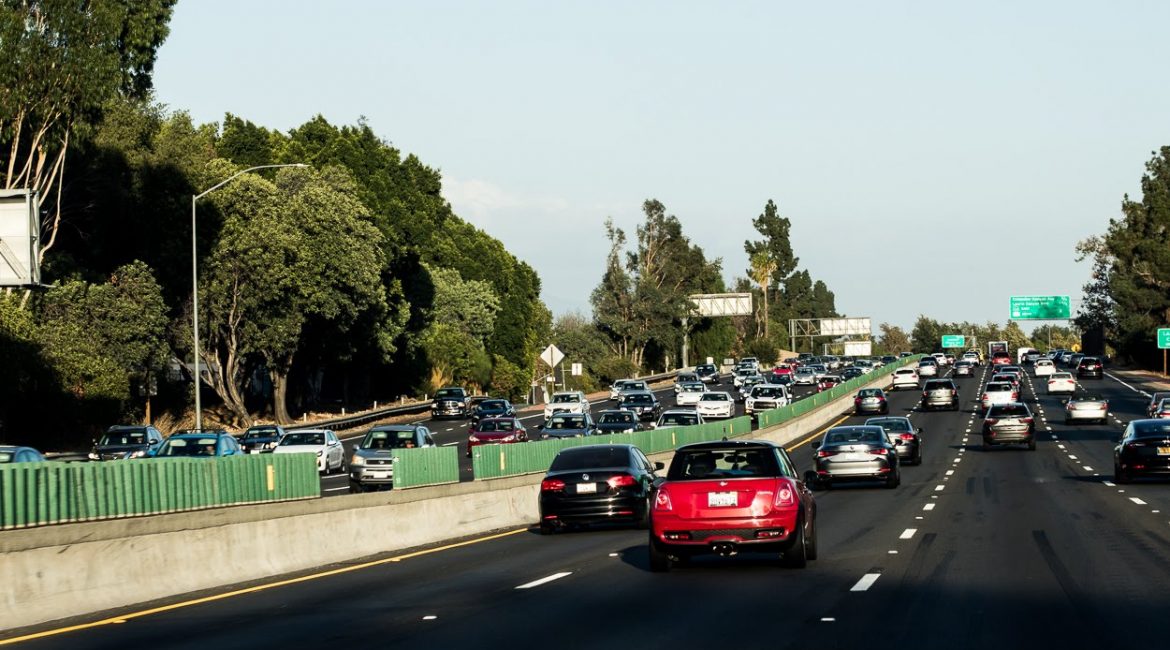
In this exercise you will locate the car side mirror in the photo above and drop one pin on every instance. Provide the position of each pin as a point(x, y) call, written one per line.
point(919, 430)
point(659, 465)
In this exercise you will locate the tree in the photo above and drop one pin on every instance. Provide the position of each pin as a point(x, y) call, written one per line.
point(892, 339)
point(775, 245)
point(926, 335)
point(763, 268)
point(62, 62)
point(467, 305)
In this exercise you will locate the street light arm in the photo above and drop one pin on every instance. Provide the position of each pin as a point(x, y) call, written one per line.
point(241, 173)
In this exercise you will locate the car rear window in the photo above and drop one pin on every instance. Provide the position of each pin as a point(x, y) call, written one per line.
point(617, 418)
point(939, 384)
point(895, 425)
point(1151, 430)
point(706, 464)
point(854, 435)
point(590, 458)
point(680, 419)
point(998, 387)
point(1008, 410)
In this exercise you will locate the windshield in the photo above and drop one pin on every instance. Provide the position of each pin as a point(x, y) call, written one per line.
point(188, 447)
point(714, 397)
point(488, 426)
point(493, 405)
point(679, 419)
point(129, 437)
point(700, 464)
point(869, 392)
point(389, 440)
point(590, 458)
point(998, 387)
point(693, 388)
point(564, 399)
point(303, 438)
point(449, 392)
point(617, 418)
point(577, 422)
point(642, 398)
point(262, 432)
point(705, 369)
point(766, 391)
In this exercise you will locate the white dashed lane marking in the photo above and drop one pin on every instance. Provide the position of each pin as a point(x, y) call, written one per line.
point(908, 533)
point(866, 582)
point(1137, 501)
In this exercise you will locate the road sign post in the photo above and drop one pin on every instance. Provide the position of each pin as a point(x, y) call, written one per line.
point(1164, 343)
point(1039, 308)
point(953, 341)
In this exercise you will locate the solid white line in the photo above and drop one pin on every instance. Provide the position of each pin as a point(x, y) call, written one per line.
point(908, 533)
point(828, 619)
point(1136, 390)
point(537, 583)
point(866, 582)
point(450, 444)
point(1137, 501)
point(335, 490)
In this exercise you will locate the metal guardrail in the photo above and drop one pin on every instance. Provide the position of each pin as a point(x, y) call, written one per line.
point(358, 419)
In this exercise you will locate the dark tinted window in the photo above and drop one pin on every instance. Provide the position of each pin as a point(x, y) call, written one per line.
point(939, 384)
point(261, 432)
point(124, 437)
point(854, 435)
point(617, 418)
point(590, 458)
point(1151, 430)
point(1008, 411)
point(449, 392)
point(680, 419)
point(638, 398)
point(493, 405)
point(896, 425)
point(693, 465)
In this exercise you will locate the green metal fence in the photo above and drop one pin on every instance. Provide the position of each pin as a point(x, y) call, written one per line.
point(773, 417)
point(432, 466)
point(35, 494)
point(495, 461)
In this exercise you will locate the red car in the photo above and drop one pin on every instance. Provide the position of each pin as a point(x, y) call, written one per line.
point(782, 370)
point(728, 497)
point(828, 381)
point(495, 431)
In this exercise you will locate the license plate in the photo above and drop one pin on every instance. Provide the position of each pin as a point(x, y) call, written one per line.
point(722, 499)
point(586, 488)
point(1164, 451)
point(378, 474)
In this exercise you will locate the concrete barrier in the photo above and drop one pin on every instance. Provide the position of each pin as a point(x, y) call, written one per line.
point(56, 572)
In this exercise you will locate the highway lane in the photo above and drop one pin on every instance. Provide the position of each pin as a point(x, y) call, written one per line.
point(451, 432)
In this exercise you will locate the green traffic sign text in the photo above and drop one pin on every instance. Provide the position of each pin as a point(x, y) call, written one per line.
point(1164, 338)
point(1039, 308)
point(954, 341)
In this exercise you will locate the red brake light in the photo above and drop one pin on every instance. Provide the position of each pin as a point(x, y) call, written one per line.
point(991, 421)
point(785, 496)
point(984, 396)
point(878, 452)
point(662, 501)
point(1026, 420)
point(906, 436)
point(552, 485)
point(856, 400)
point(821, 453)
point(622, 480)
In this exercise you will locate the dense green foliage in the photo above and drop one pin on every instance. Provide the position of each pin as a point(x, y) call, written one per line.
point(1128, 296)
point(343, 283)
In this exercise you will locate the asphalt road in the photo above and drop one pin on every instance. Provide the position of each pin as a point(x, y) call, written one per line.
point(977, 549)
point(451, 432)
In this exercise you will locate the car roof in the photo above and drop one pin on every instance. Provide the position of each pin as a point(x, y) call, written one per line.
point(394, 427)
point(581, 448)
point(729, 444)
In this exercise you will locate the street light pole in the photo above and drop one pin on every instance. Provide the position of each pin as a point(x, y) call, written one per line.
point(195, 281)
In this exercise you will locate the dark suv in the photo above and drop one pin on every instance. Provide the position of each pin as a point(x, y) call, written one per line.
point(940, 393)
point(127, 441)
point(707, 373)
point(1090, 367)
point(450, 402)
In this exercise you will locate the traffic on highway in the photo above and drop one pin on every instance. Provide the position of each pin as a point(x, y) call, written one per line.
point(995, 520)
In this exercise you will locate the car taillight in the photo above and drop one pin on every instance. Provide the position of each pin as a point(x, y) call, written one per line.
point(785, 497)
point(1015, 396)
point(991, 421)
point(1026, 420)
point(906, 436)
point(821, 453)
point(552, 485)
point(662, 501)
point(878, 452)
point(984, 397)
point(622, 480)
point(856, 400)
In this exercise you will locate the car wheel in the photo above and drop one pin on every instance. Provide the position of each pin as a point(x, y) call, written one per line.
point(918, 455)
point(811, 546)
point(344, 467)
point(894, 480)
point(547, 528)
point(796, 557)
point(1120, 476)
point(659, 560)
point(1032, 444)
point(644, 520)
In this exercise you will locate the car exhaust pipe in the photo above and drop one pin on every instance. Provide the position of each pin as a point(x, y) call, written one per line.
point(724, 549)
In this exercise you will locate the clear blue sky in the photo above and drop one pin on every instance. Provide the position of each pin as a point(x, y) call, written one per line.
point(934, 157)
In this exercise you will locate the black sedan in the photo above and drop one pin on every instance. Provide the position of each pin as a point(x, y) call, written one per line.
point(856, 453)
point(1144, 450)
point(618, 421)
point(644, 403)
point(597, 484)
point(493, 408)
point(261, 438)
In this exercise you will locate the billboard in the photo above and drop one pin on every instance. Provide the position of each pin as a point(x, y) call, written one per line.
point(19, 238)
point(723, 304)
point(844, 327)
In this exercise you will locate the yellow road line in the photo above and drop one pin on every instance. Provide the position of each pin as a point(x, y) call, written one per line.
point(240, 592)
point(813, 436)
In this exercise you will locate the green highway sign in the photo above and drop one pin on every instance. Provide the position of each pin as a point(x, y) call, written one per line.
point(1163, 339)
point(954, 341)
point(1039, 308)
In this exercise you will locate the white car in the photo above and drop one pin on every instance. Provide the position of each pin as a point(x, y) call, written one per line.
point(741, 374)
point(571, 401)
point(1044, 368)
point(833, 362)
point(716, 404)
point(973, 357)
point(804, 376)
point(682, 378)
point(622, 386)
point(323, 442)
point(941, 358)
point(927, 368)
point(750, 361)
point(905, 378)
point(678, 418)
point(997, 392)
point(766, 396)
point(689, 393)
point(1061, 383)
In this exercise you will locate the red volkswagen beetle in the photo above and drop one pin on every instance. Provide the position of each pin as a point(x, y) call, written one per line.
point(728, 497)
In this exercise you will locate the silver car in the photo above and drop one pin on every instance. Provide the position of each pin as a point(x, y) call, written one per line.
point(857, 452)
point(804, 376)
point(1086, 408)
point(1009, 424)
point(372, 464)
point(940, 393)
